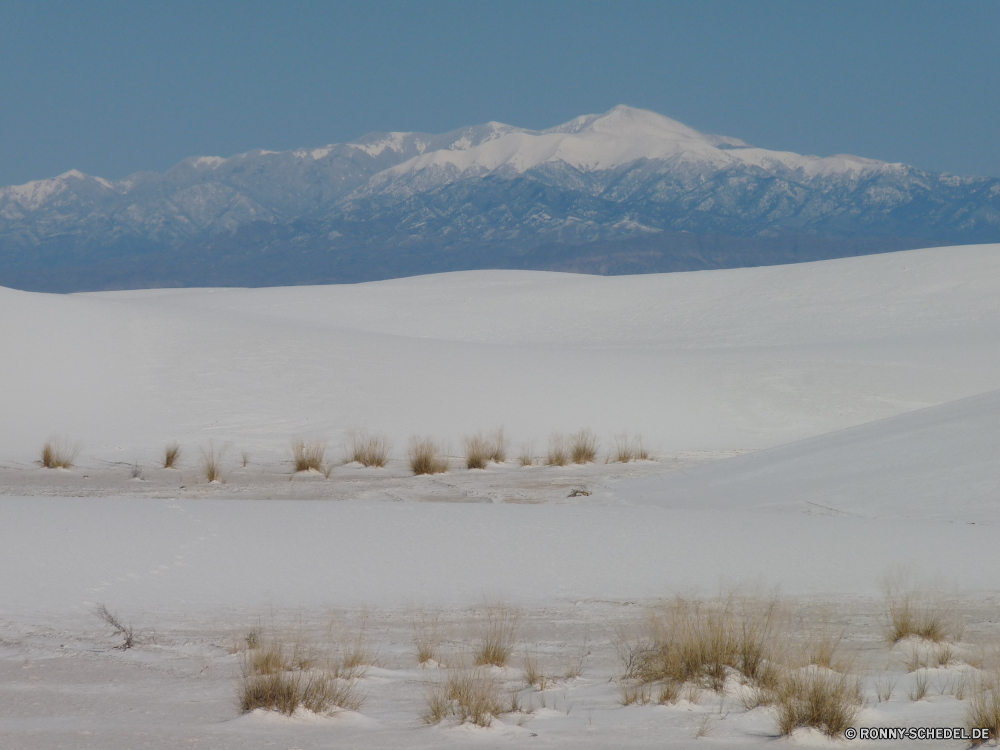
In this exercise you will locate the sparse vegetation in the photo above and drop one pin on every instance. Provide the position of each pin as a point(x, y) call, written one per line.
point(308, 455)
point(583, 447)
point(498, 446)
point(58, 454)
point(369, 450)
point(171, 456)
point(497, 635)
point(625, 449)
point(921, 685)
point(135, 471)
point(276, 676)
point(425, 457)
point(120, 629)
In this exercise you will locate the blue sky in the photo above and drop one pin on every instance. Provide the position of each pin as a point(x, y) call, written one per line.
point(111, 88)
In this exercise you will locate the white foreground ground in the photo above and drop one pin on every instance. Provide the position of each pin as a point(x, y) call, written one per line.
point(815, 426)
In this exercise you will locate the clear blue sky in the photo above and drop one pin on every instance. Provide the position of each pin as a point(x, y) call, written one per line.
point(111, 88)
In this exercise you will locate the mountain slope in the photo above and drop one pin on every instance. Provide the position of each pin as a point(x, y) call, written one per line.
point(612, 193)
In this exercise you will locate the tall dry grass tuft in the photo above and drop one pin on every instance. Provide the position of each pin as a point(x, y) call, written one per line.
point(984, 706)
point(369, 450)
point(557, 455)
point(913, 612)
point(425, 457)
point(497, 635)
point(211, 463)
point(583, 447)
point(498, 446)
point(526, 455)
point(58, 454)
point(477, 452)
point(470, 696)
point(818, 698)
point(171, 456)
point(308, 455)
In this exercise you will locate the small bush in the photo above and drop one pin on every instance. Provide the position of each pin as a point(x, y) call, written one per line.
point(308, 455)
point(625, 449)
point(425, 457)
point(533, 674)
point(57, 454)
point(211, 463)
point(171, 456)
point(583, 447)
point(369, 450)
point(497, 635)
point(557, 455)
point(818, 698)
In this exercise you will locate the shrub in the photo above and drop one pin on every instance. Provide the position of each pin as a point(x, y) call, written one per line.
point(557, 455)
point(497, 634)
point(308, 455)
point(120, 629)
point(369, 450)
point(818, 698)
point(171, 455)
point(57, 454)
point(425, 457)
point(583, 447)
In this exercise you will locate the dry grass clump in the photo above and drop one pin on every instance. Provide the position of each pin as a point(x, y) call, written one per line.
point(425, 457)
point(308, 455)
point(171, 456)
point(914, 613)
point(477, 452)
point(369, 450)
point(497, 634)
point(983, 711)
point(557, 455)
point(818, 698)
point(57, 454)
point(498, 446)
point(211, 463)
point(526, 456)
point(470, 696)
point(626, 449)
point(277, 676)
point(700, 642)
point(583, 447)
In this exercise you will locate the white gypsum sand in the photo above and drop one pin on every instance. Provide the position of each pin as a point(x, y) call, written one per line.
point(816, 427)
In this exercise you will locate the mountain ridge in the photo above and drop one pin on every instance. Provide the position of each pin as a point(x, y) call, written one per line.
point(490, 195)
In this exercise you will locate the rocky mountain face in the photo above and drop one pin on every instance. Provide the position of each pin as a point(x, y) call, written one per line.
point(623, 192)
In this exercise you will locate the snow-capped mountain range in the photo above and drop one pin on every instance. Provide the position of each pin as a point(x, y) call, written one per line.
point(623, 191)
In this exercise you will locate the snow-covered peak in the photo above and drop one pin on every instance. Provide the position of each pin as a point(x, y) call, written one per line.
point(629, 122)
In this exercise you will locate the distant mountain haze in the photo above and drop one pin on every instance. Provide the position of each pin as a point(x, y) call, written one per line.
point(628, 191)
